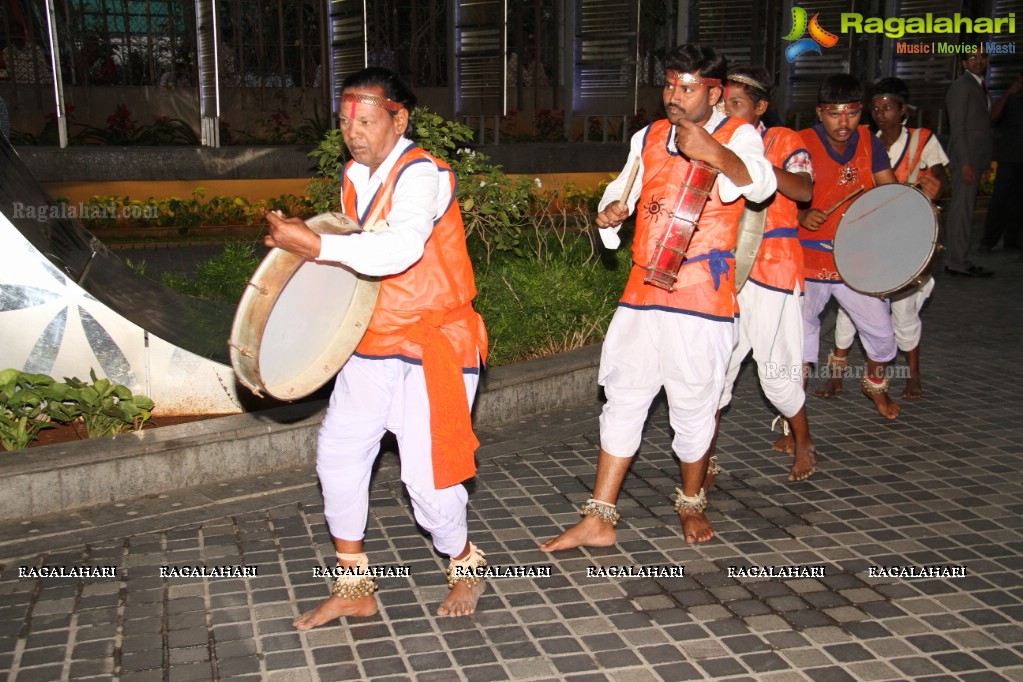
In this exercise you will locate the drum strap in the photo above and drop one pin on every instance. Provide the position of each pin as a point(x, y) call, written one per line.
point(718, 264)
point(914, 161)
point(453, 440)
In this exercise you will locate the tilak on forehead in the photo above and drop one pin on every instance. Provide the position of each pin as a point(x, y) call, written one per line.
point(675, 77)
point(850, 107)
point(359, 98)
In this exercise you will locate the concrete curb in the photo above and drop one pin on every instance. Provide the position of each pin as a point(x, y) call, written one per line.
point(69, 476)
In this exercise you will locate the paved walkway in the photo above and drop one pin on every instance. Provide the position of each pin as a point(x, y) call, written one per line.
point(940, 487)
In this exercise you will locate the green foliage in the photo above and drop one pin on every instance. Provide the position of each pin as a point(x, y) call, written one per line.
point(123, 129)
point(219, 279)
point(187, 215)
point(26, 401)
point(106, 408)
point(331, 154)
point(535, 308)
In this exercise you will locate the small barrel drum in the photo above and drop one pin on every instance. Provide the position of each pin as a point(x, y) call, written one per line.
point(670, 249)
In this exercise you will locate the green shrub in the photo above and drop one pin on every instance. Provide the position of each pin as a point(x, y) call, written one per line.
point(106, 408)
point(26, 402)
point(535, 308)
point(222, 278)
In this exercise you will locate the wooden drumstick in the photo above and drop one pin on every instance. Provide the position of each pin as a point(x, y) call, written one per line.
point(843, 200)
point(624, 201)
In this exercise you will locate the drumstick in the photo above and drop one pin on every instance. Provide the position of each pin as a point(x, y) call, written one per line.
point(623, 202)
point(842, 201)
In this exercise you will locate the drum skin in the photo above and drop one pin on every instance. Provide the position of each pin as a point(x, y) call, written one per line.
point(887, 240)
point(747, 242)
point(299, 321)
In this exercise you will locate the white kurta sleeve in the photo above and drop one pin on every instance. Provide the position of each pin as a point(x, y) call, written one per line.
point(421, 194)
point(747, 144)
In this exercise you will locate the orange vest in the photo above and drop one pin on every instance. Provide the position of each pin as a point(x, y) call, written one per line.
point(779, 264)
point(831, 184)
point(425, 314)
point(904, 165)
point(705, 287)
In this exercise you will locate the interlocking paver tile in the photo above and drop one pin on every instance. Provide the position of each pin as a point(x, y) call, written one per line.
point(938, 486)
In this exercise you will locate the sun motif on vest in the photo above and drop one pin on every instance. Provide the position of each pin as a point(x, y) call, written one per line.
point(655, 208)
point(848, 175)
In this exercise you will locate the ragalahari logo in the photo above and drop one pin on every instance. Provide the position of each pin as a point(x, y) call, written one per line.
point(818, 36)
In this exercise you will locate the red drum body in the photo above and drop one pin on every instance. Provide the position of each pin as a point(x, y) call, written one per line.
point(670, 249)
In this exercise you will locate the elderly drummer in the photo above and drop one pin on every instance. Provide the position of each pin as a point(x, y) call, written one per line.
point(917, 157)
point(680, 339)
point(416, 370)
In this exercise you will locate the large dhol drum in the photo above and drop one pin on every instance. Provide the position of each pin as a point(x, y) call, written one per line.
point(299, 321)
point(887, 240)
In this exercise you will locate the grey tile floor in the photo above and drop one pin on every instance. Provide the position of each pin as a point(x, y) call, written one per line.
point(941, 486)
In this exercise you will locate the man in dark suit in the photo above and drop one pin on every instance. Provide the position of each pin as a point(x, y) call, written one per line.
point(969, 152)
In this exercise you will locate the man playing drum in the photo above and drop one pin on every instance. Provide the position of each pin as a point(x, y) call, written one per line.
point(416, 370)
point(847, 160)
point(771, 301)
point(679, 339)
point(916, 156)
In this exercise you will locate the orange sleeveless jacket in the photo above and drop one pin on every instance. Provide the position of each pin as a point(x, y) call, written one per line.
point(779, 264)
point(706, 286)
point(832, 183)
point(904, 165)
point(425, 314)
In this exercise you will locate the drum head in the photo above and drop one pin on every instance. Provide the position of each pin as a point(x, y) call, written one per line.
point(747, 243)
point(886, 239)
point(299, 321)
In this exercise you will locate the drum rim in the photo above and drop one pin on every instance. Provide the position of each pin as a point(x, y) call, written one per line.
point(919, 274)
point(255, 307)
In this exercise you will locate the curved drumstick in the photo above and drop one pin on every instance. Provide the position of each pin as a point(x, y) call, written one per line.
point(843, 200)
point(624, 200)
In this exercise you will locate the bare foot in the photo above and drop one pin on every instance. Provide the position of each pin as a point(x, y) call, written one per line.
point(589, 532)
point(832, 388)
point(886, 407)
point(805, 464)
point(786, 443)
point(462, 599)
point(914, 389)
point(695, 527)
point(336, 607)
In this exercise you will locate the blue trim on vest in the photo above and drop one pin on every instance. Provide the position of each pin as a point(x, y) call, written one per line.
point(771, 288)
point(905, 147)
point(782, 232)
point(718, 264)
point(725, 120)
point(825, 281)
point(826, 245)
point(851, 145)
point(411, 361)
point(680, 311)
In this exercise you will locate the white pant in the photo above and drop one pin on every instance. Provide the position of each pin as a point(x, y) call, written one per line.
point(647, 349)
point(370, 397)
point(905, 319)
point(771, 324)
point(871, 316)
